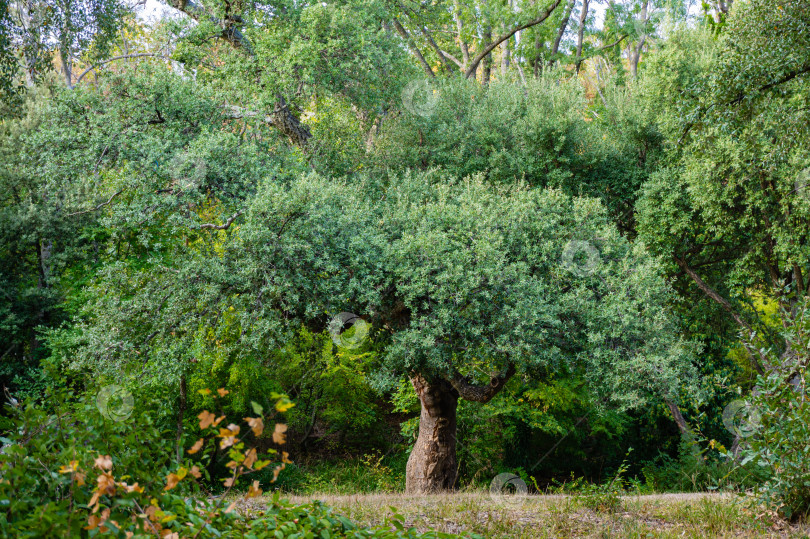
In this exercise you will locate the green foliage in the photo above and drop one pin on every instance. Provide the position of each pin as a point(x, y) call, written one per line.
point(601, 497)
point(697, 469)
point(48, 485)
point(544, 133)
point(368, 474)
point(779, 427)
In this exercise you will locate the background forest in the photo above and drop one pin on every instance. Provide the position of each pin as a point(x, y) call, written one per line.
point(570, 235)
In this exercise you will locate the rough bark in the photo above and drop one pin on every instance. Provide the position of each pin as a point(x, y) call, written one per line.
point(432, 465)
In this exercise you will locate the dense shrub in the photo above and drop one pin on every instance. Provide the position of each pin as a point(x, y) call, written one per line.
point(72, 470)
point(777, 417)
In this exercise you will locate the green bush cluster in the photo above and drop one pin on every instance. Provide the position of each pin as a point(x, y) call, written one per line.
point(67, 470)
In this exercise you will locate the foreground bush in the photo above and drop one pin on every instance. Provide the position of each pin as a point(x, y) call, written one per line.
point(774, 426)
point(73, 472)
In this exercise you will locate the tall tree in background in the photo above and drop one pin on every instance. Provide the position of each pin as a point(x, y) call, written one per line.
point(73, 29)
point(732, 212)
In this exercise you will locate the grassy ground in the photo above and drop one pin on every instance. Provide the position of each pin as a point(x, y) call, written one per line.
point(660, 515)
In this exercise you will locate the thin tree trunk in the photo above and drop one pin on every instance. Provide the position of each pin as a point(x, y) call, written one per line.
point(505, 54)
point(537, 49)
point(487, 49)
point(465, 50)
point(583, 16)
point(563, 26)
point(412, 44)
point(432, 465)
point(180, 416)
point(486, 63)
point(723, 302)
point(636, 53)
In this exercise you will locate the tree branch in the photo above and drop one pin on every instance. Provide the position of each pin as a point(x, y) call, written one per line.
point(122, 57)
point(473, 67)
point(227, 224)
point(282, 117)
point(99, 206)
point(416, 52)
point(230, 32)
point(709, 291)
point(476, 393)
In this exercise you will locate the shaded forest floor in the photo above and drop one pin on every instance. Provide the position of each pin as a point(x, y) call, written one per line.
point(658, 515)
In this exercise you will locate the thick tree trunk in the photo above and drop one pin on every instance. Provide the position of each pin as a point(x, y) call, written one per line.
point(432, 466)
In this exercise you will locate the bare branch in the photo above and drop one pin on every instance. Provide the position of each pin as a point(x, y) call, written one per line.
point(473, 67)
point(122, 57)
point(416, 52)
point(99, 206)
point(227, 224)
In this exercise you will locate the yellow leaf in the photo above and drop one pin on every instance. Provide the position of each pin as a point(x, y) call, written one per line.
point(195, 472)
point(70, 468)
point(222, 391)
point(283, 405)
point(197, 446)
point(256, 425)
point(206, 419)
point(284, 458)
point(171, 481)
point(204, 392)
point(132, 488)
point(278, 433)
point(103, 462)
point(254, 490)
point(250, 458)
point(228, 481)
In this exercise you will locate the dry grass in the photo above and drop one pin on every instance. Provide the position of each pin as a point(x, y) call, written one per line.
point(660, 515)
